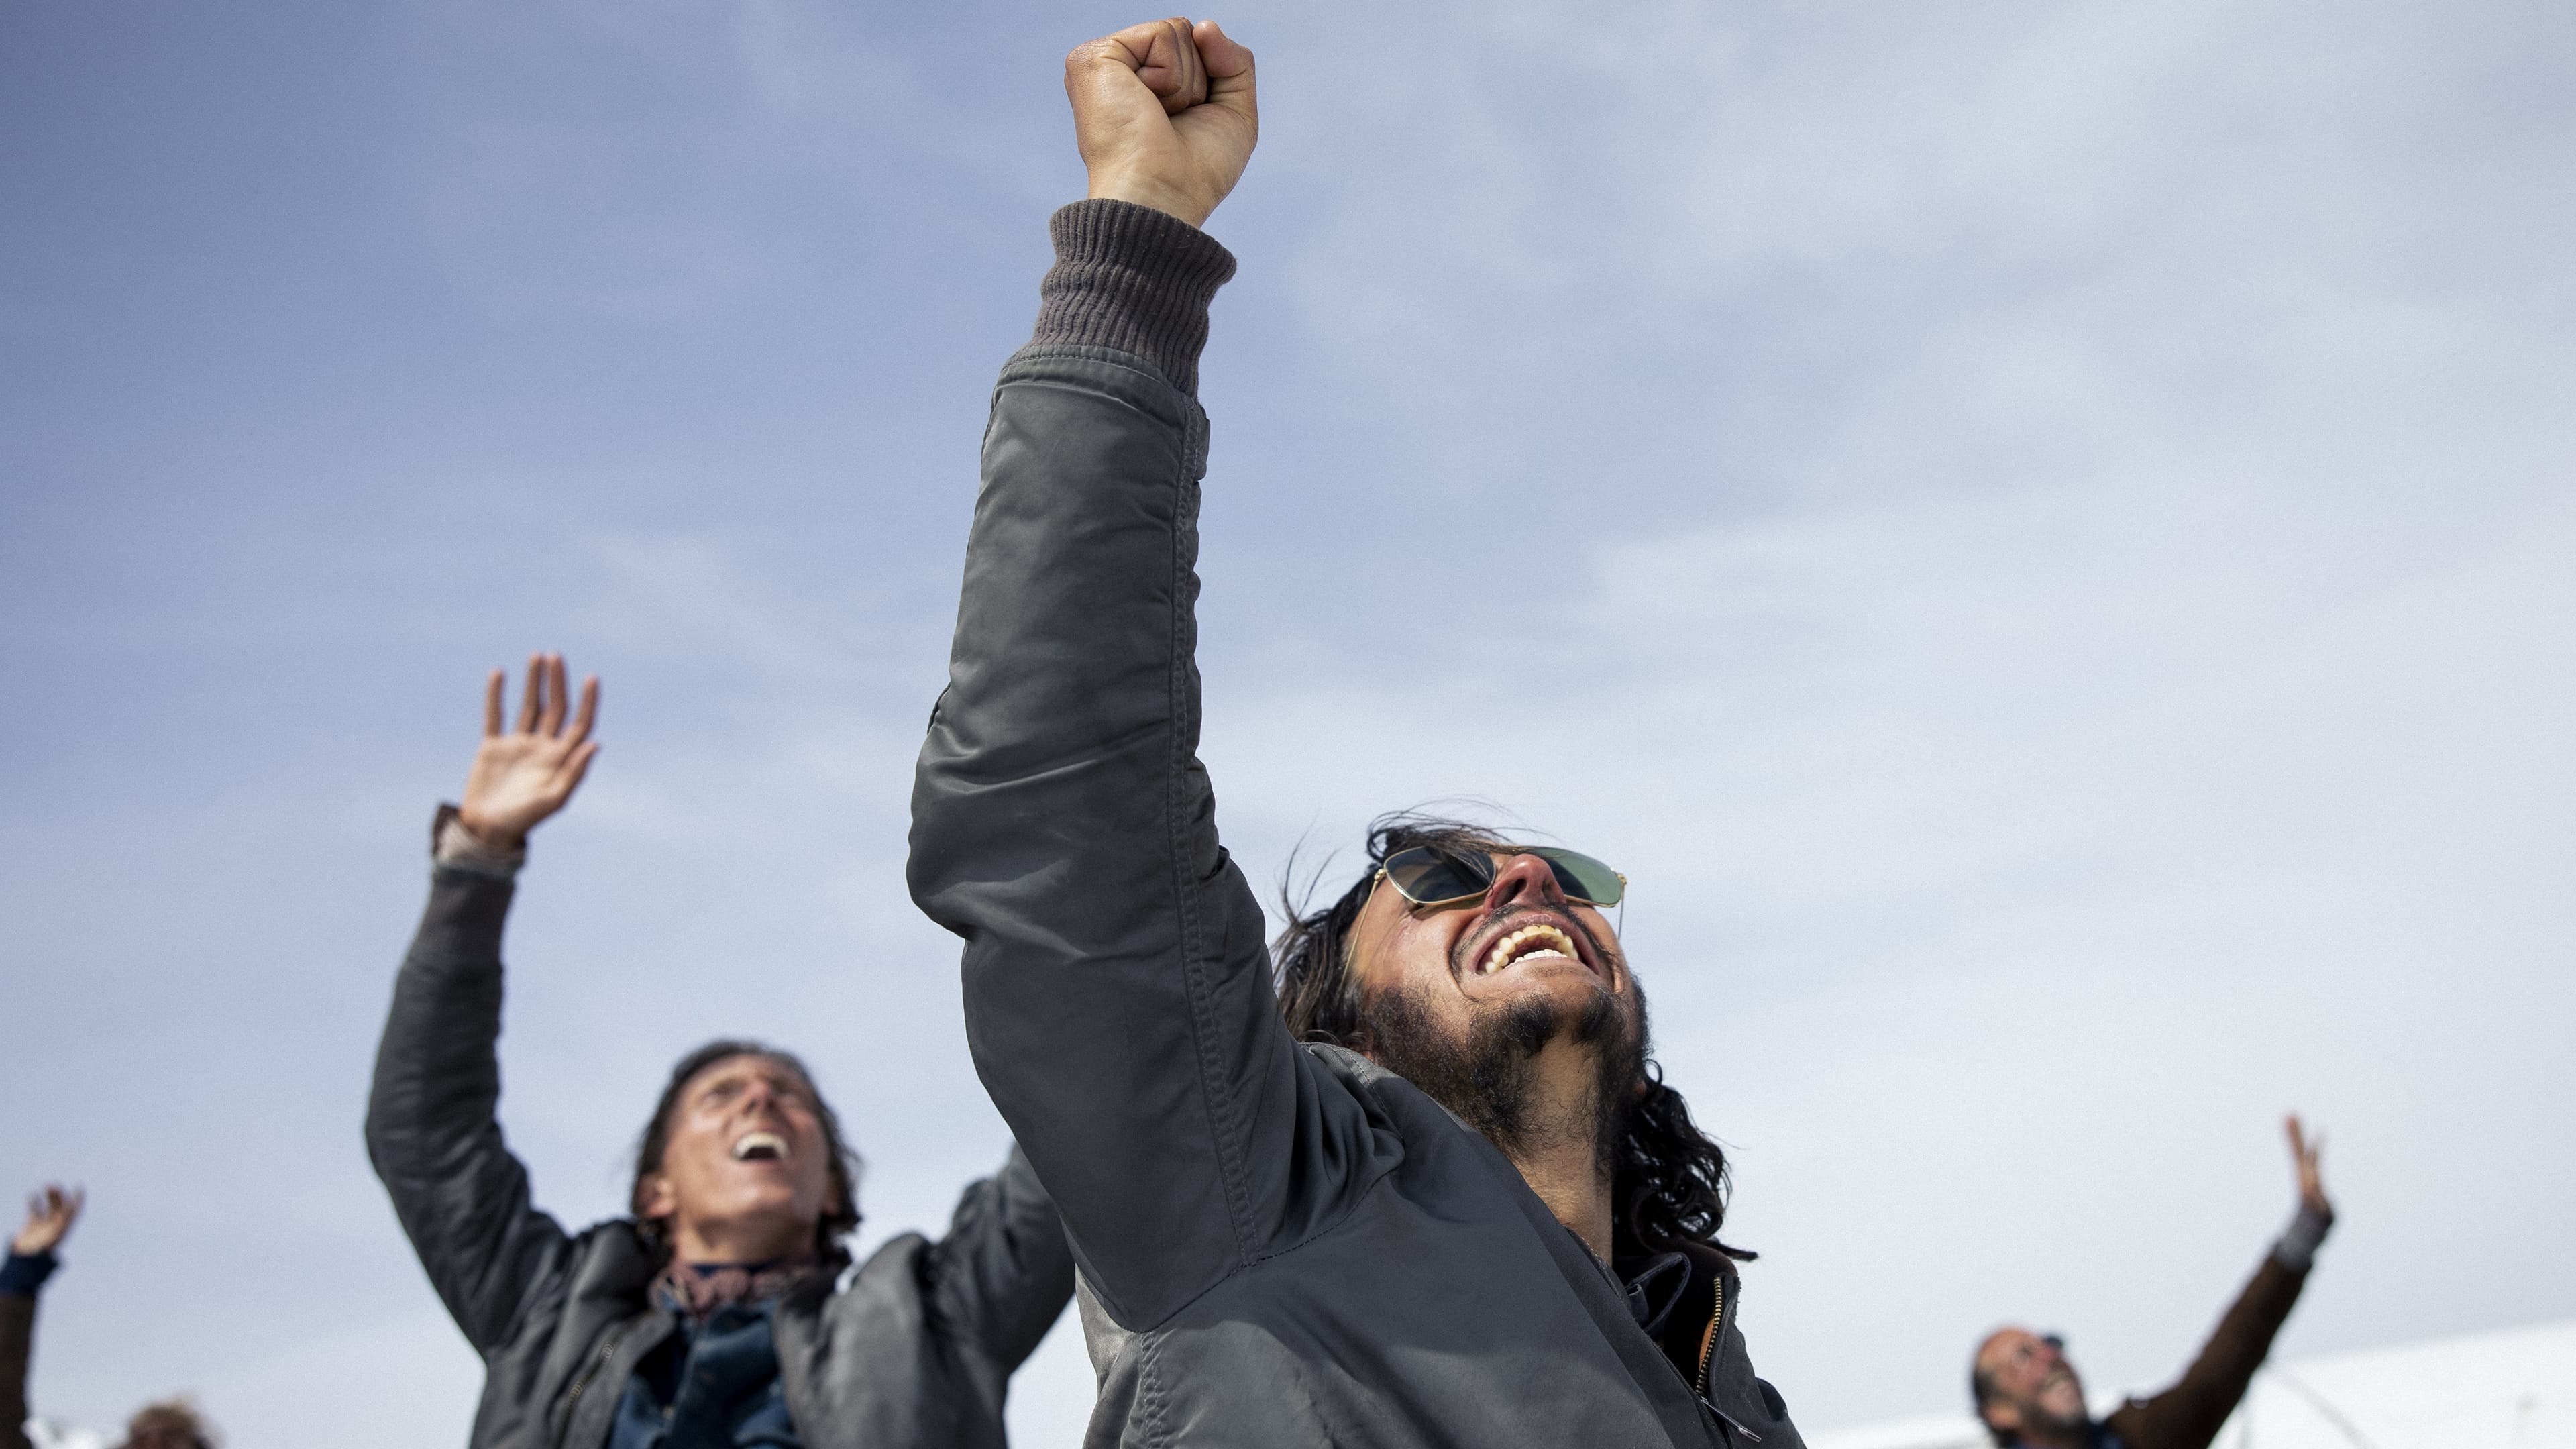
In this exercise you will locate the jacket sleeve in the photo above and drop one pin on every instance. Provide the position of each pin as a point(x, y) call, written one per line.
point(1117, 985)
point(432, 1129)
point(1004, 1271)
point(2190, 1414)
point(17, 1343)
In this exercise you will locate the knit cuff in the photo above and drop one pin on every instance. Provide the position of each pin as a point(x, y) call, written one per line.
point(453, 847)
point(2297, 1247)
point(24, 1273)
point(1132, 278)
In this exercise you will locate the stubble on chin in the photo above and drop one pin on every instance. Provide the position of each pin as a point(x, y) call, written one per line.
point(1489, 1076)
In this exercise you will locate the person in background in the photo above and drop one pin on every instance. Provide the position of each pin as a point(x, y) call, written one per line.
point(170, 1424)
point(2027, 1393)
point(50, 1215)
point(717, 1313)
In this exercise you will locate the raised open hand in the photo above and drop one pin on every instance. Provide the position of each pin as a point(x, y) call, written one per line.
point(521, 777)
point(2303, 1153)
point(50, 1215)
point(1164, 115)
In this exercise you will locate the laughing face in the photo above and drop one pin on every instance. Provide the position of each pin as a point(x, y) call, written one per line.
point(2033, 1391)
point(746, 1173)
point(1462, 999)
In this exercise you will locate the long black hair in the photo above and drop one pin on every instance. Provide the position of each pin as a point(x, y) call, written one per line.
point(1669, 1180)
point(839, 1218)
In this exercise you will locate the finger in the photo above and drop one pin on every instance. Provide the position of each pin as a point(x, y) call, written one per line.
point(578, 766)
point(2298, 1138)
point(1229, 72)
point(550, 719)
point(1172, 69)
point(589, 711)
point(536, 691)
point(492, 688)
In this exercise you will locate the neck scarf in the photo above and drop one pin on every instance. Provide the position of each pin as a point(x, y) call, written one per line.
point(699, 1289)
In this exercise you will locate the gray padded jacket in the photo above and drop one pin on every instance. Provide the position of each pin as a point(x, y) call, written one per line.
point(913, 1354)
point(1281, 1245)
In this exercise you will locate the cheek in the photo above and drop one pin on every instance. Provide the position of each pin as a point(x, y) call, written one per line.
point(1416, 952)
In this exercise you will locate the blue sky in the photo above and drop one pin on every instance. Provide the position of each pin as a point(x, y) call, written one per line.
point(2036, 536)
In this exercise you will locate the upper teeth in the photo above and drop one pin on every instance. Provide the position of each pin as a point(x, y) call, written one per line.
point(1542, 940)
point(751, 1142)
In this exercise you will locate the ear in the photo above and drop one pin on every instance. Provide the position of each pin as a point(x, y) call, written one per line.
point(2003, 1418)
point(654, 1198)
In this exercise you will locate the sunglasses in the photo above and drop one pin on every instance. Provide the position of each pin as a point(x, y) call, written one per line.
point(1429, 876)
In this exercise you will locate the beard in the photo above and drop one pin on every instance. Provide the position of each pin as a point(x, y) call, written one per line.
point(1489, 1077)
point(2037, 1417)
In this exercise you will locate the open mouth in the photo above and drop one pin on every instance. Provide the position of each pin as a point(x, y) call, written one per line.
point(760, 1147)
point(1537, 941)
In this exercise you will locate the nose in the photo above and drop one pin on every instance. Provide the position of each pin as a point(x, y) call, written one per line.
point(1524, 880)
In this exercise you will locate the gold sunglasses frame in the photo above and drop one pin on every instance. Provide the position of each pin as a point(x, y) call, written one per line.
point(1382, 878)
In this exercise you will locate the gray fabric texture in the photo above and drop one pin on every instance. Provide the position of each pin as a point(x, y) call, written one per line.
point(1280, 1244)
point(1134, 280)
point(2296, 1249)
point(915, 1351)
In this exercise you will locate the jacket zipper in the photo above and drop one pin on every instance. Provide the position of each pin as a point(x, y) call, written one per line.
point(581, 1381)
point(1708, 1356)
point(1708, 1340)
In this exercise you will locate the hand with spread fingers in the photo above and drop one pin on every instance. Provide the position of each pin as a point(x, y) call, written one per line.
point(2303, 1153)
point(522, 776)
point(50, 1215)
point(1164, 114)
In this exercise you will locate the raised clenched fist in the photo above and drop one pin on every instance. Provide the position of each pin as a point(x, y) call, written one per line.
point(1164, 114)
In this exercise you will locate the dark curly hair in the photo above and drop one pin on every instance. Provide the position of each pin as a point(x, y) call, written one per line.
point(1669, 1181)
point(838, 1220)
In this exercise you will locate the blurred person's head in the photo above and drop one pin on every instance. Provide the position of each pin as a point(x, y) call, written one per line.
point(1457, 960)
point(2026, 1391)
point(743, 1161)
point(170, 1424)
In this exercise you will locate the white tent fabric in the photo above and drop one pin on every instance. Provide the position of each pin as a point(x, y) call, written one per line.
point(2510, 1389)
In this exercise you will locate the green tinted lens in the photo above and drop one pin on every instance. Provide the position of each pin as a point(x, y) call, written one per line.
point(1428, 877)
point(1581, 877)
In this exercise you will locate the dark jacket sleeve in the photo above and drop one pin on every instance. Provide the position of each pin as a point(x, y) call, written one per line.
point(432, 1127)
point(1004, 1271)
point(2189, 1414)
point(17, 1342)
point(1117, 986)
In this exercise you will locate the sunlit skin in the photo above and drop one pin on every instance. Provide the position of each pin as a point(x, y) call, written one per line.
point(1433, 952)
point(2037, 1397)
point(723, 1207)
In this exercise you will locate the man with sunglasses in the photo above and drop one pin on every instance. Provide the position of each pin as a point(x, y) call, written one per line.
point(2027, 1393)
point(1464, 1212)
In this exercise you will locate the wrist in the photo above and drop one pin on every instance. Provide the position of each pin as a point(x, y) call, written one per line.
point(454, 844)
point(2296, 1249)
point(489, 834)
point(23, 1272)
point(1146, 190)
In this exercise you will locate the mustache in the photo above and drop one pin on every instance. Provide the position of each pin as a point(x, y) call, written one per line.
point(1459, 958)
